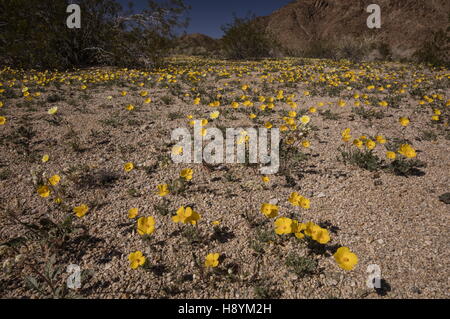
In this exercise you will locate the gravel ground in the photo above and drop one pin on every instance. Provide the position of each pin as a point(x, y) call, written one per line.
point(396, 222)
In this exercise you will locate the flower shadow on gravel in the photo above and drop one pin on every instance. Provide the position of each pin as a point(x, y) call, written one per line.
point(222, 235)
point(79, 246)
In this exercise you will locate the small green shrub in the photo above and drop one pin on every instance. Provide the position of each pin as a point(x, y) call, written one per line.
point(364, 159)
point(301, 266)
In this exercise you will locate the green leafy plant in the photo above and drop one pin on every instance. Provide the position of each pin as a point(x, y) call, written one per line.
point(364, 159)
point(301, 266)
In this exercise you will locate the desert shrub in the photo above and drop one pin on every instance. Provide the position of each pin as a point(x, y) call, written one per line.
point(349, 48)
point(244, 39)
point(364, 159)
point(368, 114)
point(353, 49)
point(319, 49)
point(301, 266)
point(34, 33)
point(436, 50)
point(196, 45)
point(385, 51)
point(407, 167)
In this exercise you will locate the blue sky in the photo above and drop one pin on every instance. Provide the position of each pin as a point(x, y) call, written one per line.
point(207, 16)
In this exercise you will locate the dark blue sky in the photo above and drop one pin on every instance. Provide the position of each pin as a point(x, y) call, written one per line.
point(207, 16)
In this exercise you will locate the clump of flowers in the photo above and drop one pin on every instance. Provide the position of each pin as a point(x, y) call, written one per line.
point(298, 200)
point(317, 233)
point(297, 131)
point(404, 163)
point(286, 226)
point(269, 210)
point(407, 151)
point(47, 186)
point(186, 216)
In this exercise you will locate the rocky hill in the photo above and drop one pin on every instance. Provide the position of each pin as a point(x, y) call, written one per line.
point(196, 44)
point(416, 29)
point(406, 24)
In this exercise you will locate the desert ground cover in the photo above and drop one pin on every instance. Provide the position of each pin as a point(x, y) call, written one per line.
point(86, 178)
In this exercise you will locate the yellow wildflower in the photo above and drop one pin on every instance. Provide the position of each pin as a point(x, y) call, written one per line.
point(81, 210)
point(136, 259)
point(212, 260)
point(265, 179)
point(45, 158)
point(186, 174)
point(305, 119)
point(317, 233)
point(186, 216)
point(298, 200)
point(214, 115)
point(146, 225)
point(163, 190)
point(133, 212)
point(345, 258)
point(284, 226)
point(404, 121)
point(54, 180)
point(380, 139)
point(128, 167)
point(407, 150)
point(358, 143)
point(53, 110)
point(391, 155)
point(370, 144)
point(44, 191)
point(269, 210)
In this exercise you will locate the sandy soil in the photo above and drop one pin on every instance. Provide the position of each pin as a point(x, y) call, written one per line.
point(396, 222)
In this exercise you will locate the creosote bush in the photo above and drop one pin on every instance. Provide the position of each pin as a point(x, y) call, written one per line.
point(34, 34)
point(245, 39)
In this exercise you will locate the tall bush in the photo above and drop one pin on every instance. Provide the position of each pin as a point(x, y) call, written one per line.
point(245, 38)
point(34, 33)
